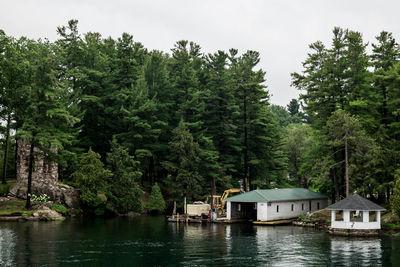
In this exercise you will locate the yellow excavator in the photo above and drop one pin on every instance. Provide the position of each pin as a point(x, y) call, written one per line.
point(219, 203)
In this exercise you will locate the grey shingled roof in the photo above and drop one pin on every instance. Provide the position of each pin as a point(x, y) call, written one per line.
point(355, 202)
point(271, 195)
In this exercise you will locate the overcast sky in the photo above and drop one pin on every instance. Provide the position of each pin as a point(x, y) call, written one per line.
point(280, 30)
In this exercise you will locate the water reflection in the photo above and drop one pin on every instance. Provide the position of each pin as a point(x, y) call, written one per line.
point(285, 246)
point(151, 241)
point(7, 247)
point(351, 251)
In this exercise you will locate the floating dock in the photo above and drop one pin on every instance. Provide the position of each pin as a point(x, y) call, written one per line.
point(277, 222)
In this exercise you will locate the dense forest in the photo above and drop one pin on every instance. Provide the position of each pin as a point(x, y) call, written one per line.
point(120, 119)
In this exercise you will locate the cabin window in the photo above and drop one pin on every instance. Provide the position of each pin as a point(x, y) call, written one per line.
point(239, 207)
point(372, 216)
point(356, 216)
point(310, 205)
point(338, 215)
point(277, 208)
point(302, 206)
point(317, 205)
point(292, 207)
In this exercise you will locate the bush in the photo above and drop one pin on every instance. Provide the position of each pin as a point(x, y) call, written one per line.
point(156, 200)
point(5, 188)
point(59, 208)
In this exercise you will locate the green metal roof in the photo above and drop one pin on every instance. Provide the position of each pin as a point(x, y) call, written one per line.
point(271, 195)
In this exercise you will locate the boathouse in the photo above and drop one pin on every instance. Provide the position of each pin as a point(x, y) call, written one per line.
point(355, 213)
point(274, 204)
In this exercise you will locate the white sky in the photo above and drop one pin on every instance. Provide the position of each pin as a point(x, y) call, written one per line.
point(280, 30)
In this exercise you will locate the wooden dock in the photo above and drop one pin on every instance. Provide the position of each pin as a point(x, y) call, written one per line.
point(183, 219)
point(278, 222)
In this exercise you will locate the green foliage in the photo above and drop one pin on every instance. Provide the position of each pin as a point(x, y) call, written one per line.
point(156, 201)
point(183, 165)
point(298, 145)
point(5, 188)
point(41, 198)
point(339, 77)
point(189, 120)
point(395, 198)
point(92, 177)
point(302, 217)
point(123, 189)
point(59, 208)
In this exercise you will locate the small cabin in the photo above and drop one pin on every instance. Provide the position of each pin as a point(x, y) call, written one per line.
point(355, 213)
point(274, 204)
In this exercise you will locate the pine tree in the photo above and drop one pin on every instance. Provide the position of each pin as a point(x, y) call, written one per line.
point(123, 184)
point(184, 179)
point(46, 120)
point(13, 80)
point(395, 198)
point(156, 201)
point(92, 177)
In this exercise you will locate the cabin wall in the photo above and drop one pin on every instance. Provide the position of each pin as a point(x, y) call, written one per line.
point(270, 211)
point(365, 224)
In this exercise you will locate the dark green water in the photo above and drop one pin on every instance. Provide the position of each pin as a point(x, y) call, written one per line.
point(151, 241)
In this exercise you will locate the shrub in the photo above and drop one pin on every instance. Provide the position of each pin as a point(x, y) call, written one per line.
point(156, 200)
point(59, 208)
point(4, 188)
point(302, 217)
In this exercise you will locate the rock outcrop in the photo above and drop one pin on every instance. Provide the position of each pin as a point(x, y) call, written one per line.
point(44, 178)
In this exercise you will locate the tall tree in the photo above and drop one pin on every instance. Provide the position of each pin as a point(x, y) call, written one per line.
point(184, 177)
point(13, 83)
point(47, 122)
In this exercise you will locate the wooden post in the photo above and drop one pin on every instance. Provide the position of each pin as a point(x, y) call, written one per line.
point(184, 206)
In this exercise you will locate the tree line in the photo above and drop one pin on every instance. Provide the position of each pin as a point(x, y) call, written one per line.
point(351, 100)
point(119, 118)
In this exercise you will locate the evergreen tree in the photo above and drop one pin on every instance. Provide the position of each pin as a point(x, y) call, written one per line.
point(13, 82)
point(395, 198)
point(46, 121)
point(92, 176)
point(123, 188)
point(297, 143)
point(184, 177)
point(156, 201)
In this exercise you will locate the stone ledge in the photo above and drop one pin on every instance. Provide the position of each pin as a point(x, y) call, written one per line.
point(353, 232)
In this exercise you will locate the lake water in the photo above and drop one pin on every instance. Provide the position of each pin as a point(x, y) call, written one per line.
point(151, 241)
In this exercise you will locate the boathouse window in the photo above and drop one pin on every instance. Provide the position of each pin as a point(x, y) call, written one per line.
point(292, 207)
point(277, 208)
point(239, 207)
point(317, 205)
point(302, 206)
